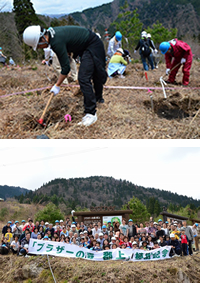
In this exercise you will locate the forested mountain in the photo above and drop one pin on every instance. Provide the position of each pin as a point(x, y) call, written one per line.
point(181, 14)
point(98, 190)
point(10, 192)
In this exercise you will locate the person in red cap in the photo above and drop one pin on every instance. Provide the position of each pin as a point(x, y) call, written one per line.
point(177, 52)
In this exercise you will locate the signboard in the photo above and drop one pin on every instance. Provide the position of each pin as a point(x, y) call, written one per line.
point(112, 219)
point(42, 247)
point(94, 219)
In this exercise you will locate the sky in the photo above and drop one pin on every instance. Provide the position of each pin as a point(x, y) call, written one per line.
point(149, 164)
point(60, 6)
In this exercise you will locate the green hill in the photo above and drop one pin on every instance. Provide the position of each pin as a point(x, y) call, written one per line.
point(10, 192)
point(181, 14)
point(97, 191)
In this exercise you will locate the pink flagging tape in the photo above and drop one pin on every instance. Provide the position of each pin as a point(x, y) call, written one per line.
point(25, 91)
point(149, 87)
point(106, 87)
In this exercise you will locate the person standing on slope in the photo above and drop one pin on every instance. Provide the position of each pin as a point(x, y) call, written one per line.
point(81, 42)
point(177, 52)
point(145, 52)
point(114, 43)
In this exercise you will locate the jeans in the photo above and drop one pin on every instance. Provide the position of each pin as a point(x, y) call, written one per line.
point(23, 251)
point(150, 60)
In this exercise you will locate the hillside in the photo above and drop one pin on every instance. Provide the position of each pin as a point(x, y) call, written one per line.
point(9, 191)
point(99, 190)
point(181, 14)
point(126, 113)
point(12, 209)
point(9, 36)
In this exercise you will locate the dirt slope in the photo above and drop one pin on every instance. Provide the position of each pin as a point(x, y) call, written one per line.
point(126, 114)
point(36, 270)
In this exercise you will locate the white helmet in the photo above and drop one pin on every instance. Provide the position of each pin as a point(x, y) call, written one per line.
point(98, 34)
point(120, 50)
point(31, 36)
point(144, 34)
point(148, 35)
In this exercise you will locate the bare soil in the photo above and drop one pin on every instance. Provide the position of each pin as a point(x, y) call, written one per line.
point(36, 270)
point(126, 114)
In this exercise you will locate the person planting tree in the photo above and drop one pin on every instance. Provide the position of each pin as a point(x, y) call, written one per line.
point(81, 42)
point(177, 53)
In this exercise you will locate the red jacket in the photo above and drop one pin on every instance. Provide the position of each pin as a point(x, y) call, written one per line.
point(184, 239)
point(180, 50)
point(28, 226)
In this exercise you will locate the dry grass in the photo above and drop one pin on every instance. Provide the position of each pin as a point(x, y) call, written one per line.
point(78, 270)
point(126, 114)
point(18, 211)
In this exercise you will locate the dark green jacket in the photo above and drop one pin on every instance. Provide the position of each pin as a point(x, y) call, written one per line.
point(68, 39)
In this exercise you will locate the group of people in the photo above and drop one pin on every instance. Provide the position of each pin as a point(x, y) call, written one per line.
point(177, 53)
point(71, 42)
point(182, 238)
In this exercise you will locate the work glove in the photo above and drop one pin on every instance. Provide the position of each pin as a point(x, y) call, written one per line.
point(183, 60)
point(55, 89)
point(135, 51)
point(167, 71)
point(45, 62)
point(155, 51)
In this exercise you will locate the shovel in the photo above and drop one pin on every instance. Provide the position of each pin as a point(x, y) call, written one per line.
point(163, 83)
point(171, 70)
point(41, 120)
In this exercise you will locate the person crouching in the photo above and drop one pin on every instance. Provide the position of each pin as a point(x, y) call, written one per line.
point(117, 64)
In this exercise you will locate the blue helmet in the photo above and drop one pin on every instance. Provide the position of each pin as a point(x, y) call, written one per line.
point(164, 47)
point(118, 36)
point(197, 224)
point(0, 48)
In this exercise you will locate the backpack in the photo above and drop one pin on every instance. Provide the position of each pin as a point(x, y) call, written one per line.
point(145, 48)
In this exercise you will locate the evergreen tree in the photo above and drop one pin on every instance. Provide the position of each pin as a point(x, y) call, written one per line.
point(159, 33)
point(25, 15)
point(21, 198)
point(140, 213)
point(54, 199)
point(50, 213)
point(157, 208)
point(130, 26)
point(151, 205)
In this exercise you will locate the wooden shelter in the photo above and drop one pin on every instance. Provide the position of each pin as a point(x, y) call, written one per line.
point(97, 213)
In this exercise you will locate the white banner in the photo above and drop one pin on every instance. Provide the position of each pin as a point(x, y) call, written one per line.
point(42, 247)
